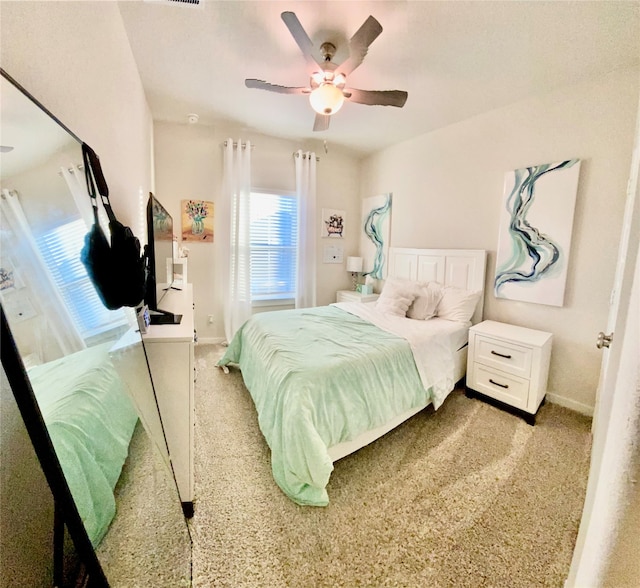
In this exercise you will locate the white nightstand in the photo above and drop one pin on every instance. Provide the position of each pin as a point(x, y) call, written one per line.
point(509, 364)
point(354, 296)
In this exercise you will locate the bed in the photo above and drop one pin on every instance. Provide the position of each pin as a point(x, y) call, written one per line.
point(90, 420)
point(327, 381)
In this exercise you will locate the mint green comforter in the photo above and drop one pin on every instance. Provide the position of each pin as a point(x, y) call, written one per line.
point(90, 420)
point(318, 377)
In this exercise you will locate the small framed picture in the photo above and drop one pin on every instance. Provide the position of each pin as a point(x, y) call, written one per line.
point(9, 279)
point(144, 320)
point(332, 223)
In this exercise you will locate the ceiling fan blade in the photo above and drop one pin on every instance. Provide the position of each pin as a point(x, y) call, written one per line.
point(301, 38)
point(322, 122)
point(377, 97)
point(359, 44)
point(262, 85)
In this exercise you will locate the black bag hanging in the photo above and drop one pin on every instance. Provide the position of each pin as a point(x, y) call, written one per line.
point(117, 269)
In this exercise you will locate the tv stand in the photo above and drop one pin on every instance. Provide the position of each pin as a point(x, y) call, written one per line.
point(169, 349)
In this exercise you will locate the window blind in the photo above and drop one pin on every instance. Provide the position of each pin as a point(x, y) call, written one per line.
point(60, 249)
point(273, 245)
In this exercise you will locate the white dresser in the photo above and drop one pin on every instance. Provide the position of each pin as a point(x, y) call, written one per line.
point(170, 353)
point(354, 296)
point(509, 364)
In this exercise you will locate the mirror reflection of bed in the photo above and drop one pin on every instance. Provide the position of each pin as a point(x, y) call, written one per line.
point(86, 365)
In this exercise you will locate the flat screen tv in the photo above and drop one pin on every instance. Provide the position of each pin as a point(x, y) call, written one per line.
point(160, 275)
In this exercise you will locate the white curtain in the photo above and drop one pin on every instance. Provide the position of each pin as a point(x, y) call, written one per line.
point(235, 208)
point(77, 185)
point(306, 192)
point(19, 244)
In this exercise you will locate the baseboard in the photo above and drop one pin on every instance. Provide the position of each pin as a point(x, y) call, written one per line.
point(211, 340)
point(570, 404)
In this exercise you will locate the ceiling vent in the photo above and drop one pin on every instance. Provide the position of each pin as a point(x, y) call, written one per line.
point(194, 3)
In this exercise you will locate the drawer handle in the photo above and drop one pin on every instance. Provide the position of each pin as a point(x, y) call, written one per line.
point(498, 384)
point(500, 354)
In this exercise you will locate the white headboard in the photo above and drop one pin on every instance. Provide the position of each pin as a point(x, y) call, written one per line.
point(462, 268)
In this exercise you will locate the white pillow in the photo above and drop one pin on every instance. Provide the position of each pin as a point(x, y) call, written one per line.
point(428, 295)
point(457, 304)
point(396, 297)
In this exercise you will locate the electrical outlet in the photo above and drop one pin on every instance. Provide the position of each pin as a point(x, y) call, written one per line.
point(210, 319)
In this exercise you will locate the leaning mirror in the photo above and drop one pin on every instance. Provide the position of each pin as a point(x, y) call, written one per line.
point(86, 365)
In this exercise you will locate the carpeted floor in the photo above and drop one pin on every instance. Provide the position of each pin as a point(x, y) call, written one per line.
point(465, 496)
point(148, 543)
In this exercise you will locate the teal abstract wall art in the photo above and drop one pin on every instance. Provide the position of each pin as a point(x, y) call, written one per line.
point(374, 243)
point(535, 232)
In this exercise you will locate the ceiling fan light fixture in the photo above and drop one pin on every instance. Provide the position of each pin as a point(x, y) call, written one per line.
point(318, 77)
point(326, 99)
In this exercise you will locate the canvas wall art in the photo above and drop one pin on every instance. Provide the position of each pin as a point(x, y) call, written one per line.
point(197, 221)
point(376, 231)
point(333, 222)
point(535, 232)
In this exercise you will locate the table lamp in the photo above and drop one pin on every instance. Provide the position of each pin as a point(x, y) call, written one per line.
point(354, 265)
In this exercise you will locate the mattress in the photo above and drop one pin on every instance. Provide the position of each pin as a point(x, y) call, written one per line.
point(90, 420)
point(322, 376)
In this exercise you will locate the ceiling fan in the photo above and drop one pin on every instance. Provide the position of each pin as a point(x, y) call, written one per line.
point(327, 85)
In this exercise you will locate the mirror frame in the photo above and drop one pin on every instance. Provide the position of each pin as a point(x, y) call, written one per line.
point(34, 423)
point(39, 105)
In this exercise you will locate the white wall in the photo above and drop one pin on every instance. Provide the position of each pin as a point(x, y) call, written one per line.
point(75, 58)
point(448, 188)
point(188, 162)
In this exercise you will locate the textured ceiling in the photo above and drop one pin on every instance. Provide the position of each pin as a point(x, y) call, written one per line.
point(455, 59)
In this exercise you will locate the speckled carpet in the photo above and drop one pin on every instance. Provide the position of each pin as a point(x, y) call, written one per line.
point(148, 544)
point(466, 496)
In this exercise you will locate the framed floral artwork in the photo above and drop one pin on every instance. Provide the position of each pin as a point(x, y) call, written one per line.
point(197, 220)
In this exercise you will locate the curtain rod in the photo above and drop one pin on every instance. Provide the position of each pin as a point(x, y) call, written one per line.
point(304, 155)
point(72, 169)
point(235, 144)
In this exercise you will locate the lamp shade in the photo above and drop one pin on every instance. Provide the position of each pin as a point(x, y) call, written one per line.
point(354, 264)
point(326, 99)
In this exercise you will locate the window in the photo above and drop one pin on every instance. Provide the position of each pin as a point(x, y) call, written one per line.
point(273, 244)
point(60, 249)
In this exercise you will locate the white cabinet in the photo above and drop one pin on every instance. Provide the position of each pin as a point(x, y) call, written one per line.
point(170, 354)
point(354, 296)
point(509, 364)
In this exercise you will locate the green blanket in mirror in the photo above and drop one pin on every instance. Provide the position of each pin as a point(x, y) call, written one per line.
point(90, 420)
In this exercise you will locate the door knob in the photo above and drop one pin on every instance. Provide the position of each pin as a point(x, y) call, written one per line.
point(604, 340)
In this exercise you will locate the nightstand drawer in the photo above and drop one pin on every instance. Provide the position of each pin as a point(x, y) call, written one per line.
point(501, 386)
point(503, 355)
